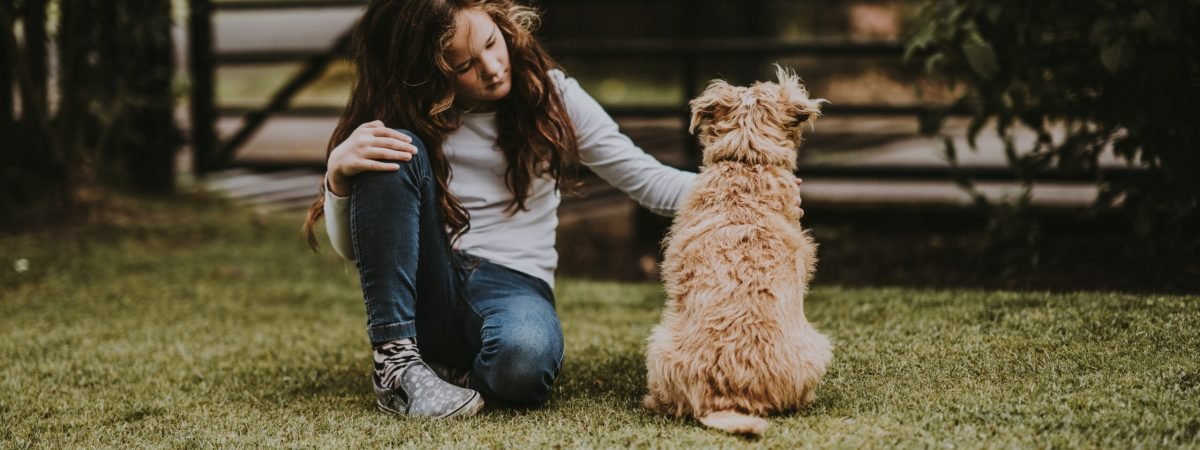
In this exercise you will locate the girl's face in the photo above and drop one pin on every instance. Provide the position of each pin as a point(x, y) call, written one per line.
point(478, 55)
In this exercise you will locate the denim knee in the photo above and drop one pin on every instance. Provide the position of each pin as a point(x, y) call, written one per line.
point(523, 369)
point(414, 171)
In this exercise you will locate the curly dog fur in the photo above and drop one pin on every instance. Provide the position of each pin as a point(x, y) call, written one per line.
point(734, 344)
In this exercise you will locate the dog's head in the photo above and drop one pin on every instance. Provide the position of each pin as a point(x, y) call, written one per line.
point(760, 124)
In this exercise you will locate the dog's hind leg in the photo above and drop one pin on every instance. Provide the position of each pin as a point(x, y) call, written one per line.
point(652, 404)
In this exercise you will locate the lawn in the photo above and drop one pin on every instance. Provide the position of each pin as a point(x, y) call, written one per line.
point(188, 322)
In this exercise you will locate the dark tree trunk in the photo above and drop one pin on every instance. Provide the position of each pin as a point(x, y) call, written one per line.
point(33, 178)
point(117, 106)
point(7, 62)
point(78, 82)
point(34, 14)
point(146, 148)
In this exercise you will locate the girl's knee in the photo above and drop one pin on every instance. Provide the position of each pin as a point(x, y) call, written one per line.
point(416, 141)
point(413, 172)
point(524, 371)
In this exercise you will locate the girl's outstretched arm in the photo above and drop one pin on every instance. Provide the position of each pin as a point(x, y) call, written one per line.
point(616, 159)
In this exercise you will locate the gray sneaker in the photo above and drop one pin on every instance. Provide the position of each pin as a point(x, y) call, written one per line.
point(457, 377)
point(415, 390)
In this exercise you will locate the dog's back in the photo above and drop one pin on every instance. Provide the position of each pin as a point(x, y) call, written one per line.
point(734, 342)
point(741, 221)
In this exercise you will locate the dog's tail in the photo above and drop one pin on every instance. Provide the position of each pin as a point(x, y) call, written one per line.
point(735, 422)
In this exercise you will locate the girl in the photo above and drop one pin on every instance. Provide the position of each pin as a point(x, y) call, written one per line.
point(451, 219)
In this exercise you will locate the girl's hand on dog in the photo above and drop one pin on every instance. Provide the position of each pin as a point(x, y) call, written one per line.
point(798, 200)
point(367, 149)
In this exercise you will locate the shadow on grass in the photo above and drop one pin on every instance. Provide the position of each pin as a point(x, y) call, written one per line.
point(619, 375)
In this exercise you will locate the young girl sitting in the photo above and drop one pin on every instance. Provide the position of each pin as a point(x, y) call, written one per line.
point(451, 216)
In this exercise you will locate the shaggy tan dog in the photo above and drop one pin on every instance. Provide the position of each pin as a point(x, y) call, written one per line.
point(733, 344)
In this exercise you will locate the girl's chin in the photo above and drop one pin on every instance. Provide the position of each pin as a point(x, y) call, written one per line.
point(498, 92)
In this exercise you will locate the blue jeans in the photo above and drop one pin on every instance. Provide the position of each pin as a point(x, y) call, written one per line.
point(465, 312)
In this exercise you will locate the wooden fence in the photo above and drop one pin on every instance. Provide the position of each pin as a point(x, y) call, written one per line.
point(688, 48)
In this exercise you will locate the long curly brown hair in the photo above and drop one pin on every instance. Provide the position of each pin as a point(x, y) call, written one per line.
point(404, 79)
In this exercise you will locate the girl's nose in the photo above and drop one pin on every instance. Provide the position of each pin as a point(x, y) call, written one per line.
point(492, 69)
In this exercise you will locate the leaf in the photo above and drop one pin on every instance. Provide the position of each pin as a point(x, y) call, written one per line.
point(973, 129)
point(1107, 197)
point(933, 63)
point(995, 13)
point(1117, 55)
point(1100, 31)
point(930, 121)
point(918, 41)
point(949, 150)
point(982, 58)
point(1143, 20)
point(1127, 147)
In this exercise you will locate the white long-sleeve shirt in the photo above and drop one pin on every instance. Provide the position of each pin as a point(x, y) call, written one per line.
point(524, 240)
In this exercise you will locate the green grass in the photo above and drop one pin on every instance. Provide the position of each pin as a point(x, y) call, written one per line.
point(190, 323)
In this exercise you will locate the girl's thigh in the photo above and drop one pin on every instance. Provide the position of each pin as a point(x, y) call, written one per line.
point(506, 314)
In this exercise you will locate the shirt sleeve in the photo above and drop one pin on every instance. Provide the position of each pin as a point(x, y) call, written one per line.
point(612, 156)
point(337, 223)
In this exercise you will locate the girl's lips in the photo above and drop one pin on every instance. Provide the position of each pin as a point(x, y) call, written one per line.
point(497, 84)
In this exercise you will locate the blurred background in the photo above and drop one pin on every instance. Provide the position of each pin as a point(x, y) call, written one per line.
point(1020, 145)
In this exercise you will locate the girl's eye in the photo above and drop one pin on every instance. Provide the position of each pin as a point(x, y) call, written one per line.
point(463, 70)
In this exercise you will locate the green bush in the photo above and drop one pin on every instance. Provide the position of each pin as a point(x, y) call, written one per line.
point(1115, 75)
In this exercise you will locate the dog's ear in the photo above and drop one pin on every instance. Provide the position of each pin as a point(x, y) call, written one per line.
point(794, 97)
point(714, 101)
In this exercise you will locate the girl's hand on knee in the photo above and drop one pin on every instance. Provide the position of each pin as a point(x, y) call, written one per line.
point(369, 148)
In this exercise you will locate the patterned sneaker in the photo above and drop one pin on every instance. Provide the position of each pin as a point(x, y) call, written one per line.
point(404, 386)
point(457, 377)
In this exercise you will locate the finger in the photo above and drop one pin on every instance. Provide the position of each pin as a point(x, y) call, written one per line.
point(372, 124)
point(799, 180)
point(377, 166)
point(387, 154)
point(393, 144)
point(390, 133)
point(801, 213)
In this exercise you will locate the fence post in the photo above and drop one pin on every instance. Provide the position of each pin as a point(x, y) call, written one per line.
point(691, 80)
point(203, 104)
point(35, 50)
point(649, 228)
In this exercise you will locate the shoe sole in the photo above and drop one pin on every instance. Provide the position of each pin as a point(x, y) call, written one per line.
point(470, 408)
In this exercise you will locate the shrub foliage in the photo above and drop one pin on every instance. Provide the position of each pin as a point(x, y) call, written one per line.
point(1119, 76)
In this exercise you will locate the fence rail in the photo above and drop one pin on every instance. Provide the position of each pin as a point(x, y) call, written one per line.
point(865, 172)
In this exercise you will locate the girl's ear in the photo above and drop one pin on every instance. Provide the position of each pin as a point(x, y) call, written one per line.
point(714, 101)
